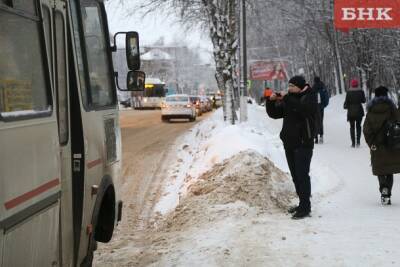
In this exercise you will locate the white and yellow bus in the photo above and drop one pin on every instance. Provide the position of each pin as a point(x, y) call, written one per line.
point(60, 148)
point(153, 95)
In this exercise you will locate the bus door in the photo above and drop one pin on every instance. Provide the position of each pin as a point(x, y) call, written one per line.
point(55, 12)
point(30, 176)
point(55, 25)
point(96, 141)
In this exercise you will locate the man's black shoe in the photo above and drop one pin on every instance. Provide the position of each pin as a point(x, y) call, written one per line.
point(300, 214)
point(293, 209)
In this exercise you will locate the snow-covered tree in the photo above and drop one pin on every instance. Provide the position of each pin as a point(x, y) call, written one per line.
point(219, 18)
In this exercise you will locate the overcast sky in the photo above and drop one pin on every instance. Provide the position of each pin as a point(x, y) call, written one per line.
point(153, 27)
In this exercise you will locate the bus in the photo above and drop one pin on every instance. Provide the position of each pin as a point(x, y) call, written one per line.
point(60, 143)
point(153, 95)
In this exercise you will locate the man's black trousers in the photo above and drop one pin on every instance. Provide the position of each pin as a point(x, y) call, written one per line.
point(299, 161)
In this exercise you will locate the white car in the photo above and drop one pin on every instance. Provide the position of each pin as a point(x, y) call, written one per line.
point(178, 107)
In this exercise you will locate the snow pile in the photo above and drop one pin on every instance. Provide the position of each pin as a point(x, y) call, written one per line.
point(246, 177)
point(212, 141)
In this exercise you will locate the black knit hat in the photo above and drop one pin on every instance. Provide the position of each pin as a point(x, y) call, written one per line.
point(381, 91)
point(299, 81)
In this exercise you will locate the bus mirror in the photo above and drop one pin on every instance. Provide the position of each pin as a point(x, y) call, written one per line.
point(135, 80)
point(132, 50)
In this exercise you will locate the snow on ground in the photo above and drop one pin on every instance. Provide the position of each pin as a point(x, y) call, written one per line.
point(348, 226)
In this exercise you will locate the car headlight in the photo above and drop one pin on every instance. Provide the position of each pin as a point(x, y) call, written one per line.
point(145, 100)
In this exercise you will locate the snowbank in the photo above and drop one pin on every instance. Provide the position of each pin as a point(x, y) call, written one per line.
point(213, 141)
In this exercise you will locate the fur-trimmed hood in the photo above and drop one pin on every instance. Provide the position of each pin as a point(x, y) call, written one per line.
point(381, 100)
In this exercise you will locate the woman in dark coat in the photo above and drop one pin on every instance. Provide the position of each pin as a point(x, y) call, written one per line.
point(355, 97)
point(385, 162)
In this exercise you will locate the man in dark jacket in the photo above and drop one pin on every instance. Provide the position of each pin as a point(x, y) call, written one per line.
point(385, 161)
point(297, 108)
point(355, 97)
point(323, 101)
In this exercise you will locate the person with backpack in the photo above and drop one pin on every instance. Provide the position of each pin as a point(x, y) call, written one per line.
point(383, 142)
point(355, 97)
point(323, 102)
point(297, 108)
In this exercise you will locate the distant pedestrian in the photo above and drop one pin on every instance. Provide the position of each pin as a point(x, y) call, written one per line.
point(297, 108)
point(214, 102)
point(323, 101)
point(385, 160)
point(355, 97)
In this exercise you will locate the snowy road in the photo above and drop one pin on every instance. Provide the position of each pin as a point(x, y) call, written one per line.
point(146, 143)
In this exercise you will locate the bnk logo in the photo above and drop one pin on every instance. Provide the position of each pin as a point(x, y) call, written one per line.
point(367, 14)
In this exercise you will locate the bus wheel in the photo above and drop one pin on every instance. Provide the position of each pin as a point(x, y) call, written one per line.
point(192, 118)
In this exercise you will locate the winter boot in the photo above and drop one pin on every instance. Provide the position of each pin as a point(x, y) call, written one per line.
point(385, 198)
point(386, 201)
point(321, 139)
point(316, 140)
point(301, 214)
point(293, 209)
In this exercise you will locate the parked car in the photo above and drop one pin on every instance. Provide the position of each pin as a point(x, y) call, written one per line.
point(178, 107)
point(196, 102)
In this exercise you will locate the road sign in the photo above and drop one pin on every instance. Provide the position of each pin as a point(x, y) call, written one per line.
point(268, 71)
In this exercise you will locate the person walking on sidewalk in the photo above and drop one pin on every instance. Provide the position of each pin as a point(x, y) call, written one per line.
point(385, 161)
point(355, 97)
point(323, 101)
point(297, 108)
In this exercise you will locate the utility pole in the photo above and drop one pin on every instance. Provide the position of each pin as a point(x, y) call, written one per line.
point(243, 62)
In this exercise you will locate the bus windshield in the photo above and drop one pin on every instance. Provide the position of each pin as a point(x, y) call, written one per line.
point(154, 90)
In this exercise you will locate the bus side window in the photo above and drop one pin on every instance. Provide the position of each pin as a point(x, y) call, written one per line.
point(24, 84)
point(28, 6)
point(61, 74)
point(47, 22)
point(101, 86)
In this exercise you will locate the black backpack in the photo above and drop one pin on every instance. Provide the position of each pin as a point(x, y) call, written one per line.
point(324, 94)
point(392, 135)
